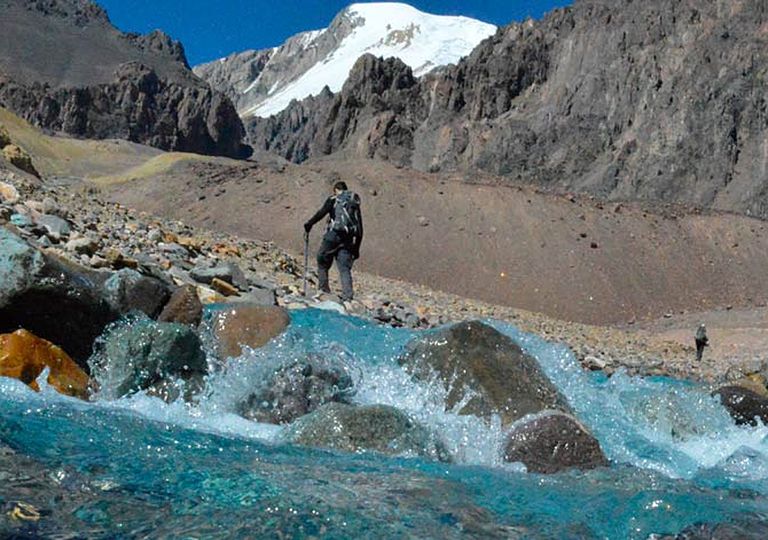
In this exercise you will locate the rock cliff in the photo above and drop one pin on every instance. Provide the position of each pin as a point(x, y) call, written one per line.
point(662, 100)
point(65, 68)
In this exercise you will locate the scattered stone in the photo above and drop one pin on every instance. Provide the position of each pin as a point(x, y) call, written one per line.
point(138, 353)
point(483, 369)
point(298, 389)
point(228, 272)
point(209, 296)
point(377, 428)
point(82, 246)
point(22, 221)
point(246, 325)
point(593, 363)
point(222, 287)
point(155, 236)
point(127, 289)
point(8, 193)
point(551, 442)
point(184, 307)
point(56, 228)
point(24, 356)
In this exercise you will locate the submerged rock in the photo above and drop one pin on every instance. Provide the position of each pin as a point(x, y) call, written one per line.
point(379, 428)
point(745, 405)
point(246, 325)
point(138, 353)
point(485, 368)
point(183, 307)
point(298, 389)
point(552, 442)
point(24, 356)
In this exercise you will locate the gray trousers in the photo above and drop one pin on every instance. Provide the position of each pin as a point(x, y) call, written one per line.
point(332, 247)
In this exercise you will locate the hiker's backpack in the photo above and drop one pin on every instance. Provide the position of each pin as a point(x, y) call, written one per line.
point(346, 212)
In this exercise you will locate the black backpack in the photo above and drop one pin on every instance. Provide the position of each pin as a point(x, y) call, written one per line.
point(346, 212)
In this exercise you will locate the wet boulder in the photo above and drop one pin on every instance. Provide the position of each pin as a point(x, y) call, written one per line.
point(745, 404)
point(298, 389)
point(24, 356)
point(483, 369)
point(551, 442)
point(137, 353)
point(246, 325)
point(377, 428)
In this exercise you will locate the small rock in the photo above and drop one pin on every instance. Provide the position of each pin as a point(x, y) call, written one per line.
point(55, 227)
point(8, 193)
point(82, 246)
point(21, 220)
point(222, 287)
point(228, 272)
point(155, 236)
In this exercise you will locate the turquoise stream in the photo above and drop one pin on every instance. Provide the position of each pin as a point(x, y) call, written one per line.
point(138, 468)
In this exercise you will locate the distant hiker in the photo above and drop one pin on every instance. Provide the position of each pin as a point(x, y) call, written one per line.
point(342, 238)
point(701, 341)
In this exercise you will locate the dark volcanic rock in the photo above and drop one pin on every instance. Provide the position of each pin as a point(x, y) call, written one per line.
point(298, 389)
point(744, 405)
point(377, 427)
point(552, 442)
point(653, 100)
point(473, 359)
point(77, 74)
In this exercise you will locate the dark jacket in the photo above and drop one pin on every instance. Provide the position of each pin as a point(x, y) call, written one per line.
point(329, 209)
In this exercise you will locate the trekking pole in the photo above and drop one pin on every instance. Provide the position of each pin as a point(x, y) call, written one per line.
point(306, 261)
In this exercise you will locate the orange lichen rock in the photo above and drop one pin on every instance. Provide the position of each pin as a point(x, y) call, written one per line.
point(24, 356)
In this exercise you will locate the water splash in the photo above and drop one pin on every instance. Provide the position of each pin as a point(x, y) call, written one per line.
point(678, 458)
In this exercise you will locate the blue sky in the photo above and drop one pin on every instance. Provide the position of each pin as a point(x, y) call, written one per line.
point(211, 29)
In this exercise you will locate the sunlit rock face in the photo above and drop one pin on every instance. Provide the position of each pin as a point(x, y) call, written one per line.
point(24, 356)
point(484, 371)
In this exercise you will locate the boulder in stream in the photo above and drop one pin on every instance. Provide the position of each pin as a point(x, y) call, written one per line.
point(480, 365)
point(138, 353)
point(551, 442)
point(298, 389)
point(235, 326)
point(379, 428)
point(744, 404)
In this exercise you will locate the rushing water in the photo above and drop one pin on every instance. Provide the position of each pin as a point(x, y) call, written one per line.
point(137, 467)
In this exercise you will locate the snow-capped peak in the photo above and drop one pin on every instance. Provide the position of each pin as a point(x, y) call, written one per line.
point(308, 62)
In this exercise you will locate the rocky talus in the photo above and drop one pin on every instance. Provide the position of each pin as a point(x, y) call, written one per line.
point(79, 75)
point(660, 100)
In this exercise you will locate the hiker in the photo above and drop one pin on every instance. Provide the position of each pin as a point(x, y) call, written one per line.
point(701, 341)
point(342, 238)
